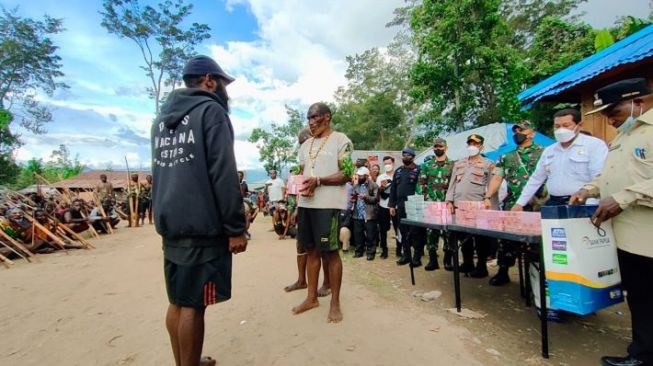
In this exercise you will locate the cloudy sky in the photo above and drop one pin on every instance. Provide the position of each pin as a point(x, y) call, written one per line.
point(281, 52)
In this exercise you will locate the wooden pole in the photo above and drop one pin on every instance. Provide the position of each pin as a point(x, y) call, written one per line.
point(76, 236)
point(18, 245)
point(13, 250)
point(5, 261)
point(47, 232)
point(107, 223)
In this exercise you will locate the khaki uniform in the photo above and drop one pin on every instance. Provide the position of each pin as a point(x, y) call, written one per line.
point(469, 181)
point(628, 177)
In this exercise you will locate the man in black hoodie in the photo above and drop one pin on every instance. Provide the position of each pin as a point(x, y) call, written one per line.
point(198, 208)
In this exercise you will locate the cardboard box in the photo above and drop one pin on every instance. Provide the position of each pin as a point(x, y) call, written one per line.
point(582, 268)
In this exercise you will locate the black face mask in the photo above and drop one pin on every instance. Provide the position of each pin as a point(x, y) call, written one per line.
point(519, 138)
point(439, 152)
point(407, 161)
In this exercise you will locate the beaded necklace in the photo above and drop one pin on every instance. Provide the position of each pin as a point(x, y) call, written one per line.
point(313, 157)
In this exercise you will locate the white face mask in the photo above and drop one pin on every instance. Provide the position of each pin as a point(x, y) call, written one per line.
point(564, 134)
point(630, 121)
point(473, 150)
point(387, 168)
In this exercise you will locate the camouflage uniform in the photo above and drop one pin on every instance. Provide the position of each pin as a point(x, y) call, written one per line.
point(515, 167)
point(433, 184)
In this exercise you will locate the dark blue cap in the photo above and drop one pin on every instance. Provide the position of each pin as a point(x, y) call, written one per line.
point(408, 150)
point(202, 65)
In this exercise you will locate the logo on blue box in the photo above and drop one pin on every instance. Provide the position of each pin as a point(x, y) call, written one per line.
point(558, 232)
point(559, 245)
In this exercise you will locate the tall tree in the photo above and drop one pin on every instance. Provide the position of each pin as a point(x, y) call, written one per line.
point(9, 170)
point(373, 108)
point(465, 71)
point(156, 31)
point(28, 64)
point(278, 145)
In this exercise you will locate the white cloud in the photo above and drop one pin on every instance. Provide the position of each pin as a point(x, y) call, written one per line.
point(300, 56)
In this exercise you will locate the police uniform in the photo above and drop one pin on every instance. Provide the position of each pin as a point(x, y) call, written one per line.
point(469, 182)
point(404, 184)
point(628, 178)
point(433, 184)
point(515, 167)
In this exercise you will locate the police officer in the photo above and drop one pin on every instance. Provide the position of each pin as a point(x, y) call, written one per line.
point(515, 167)
point(469, 182)
point(404, 184)
point(626, 191)
point(434, 179)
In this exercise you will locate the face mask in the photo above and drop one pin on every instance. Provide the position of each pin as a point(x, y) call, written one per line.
point(439, 152)
point(407, 161)
point(387, 168)
point(630, 121)
point(564, 134)
point(519, 138)
point(473, 150)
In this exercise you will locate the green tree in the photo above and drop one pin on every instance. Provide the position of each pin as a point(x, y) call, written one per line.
point(373, 109)
point(278, 145)
point(9, 170)
point(466, 73)
point(156, 30)
point(28, 173)
point(28, 64)
point(625, 26)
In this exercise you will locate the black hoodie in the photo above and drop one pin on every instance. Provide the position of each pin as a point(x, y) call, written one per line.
point(196, 191)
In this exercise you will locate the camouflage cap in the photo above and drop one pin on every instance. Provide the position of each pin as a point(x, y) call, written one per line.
point(523, 125)
point(476, 138)
point(439, 141)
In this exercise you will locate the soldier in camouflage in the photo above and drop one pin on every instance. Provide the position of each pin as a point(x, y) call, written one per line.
point(515, 167)
point(434, 179)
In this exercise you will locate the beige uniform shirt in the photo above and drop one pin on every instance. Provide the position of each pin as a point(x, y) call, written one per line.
point(324, 162)
point(470, 180)
point(628, 177)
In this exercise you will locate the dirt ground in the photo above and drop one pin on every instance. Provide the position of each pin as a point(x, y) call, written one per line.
point(106, 307)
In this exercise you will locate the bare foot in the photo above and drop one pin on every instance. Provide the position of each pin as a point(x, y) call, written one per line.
point(335, 315)
point(207, 361)
point(295, 286)
point(323, 291)
point(305, 306)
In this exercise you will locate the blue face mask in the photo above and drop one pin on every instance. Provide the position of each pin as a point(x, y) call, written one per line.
point(630, 121)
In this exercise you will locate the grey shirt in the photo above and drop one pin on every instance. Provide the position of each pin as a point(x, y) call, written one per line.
point(469, 181)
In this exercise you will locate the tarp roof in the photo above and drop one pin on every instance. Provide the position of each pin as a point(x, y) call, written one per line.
point(498, 141)
point(633, 48)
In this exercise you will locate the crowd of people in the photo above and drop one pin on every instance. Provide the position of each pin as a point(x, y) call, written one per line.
point(344, 205)
point(41, 223)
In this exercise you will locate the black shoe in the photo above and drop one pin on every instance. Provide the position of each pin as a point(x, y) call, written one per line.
point(501, 278)
point(479, 272)
point(358, 255)
point(416, 262)
point(466, 267)
point(621, 361)
point(384, 253)
point(370, 257)
point(432, 265)
point(403, 260)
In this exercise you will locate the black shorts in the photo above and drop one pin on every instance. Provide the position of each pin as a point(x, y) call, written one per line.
point(198, 285)
point(318, 228)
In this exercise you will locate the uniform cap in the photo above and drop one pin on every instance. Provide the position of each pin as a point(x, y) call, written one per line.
point(524, 125)
point(408, 150)
point(476, 138)
point(363, 171)
point(618, 92)
point(439, 142)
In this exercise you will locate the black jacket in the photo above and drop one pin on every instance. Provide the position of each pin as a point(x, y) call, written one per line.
point(196, 191)
point(404, 184)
